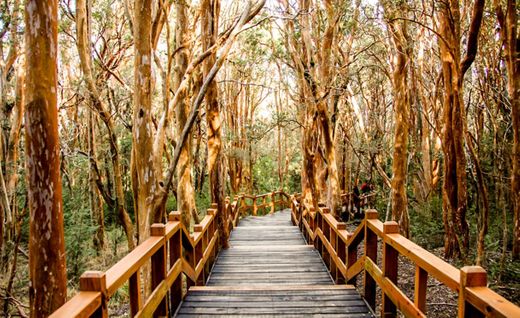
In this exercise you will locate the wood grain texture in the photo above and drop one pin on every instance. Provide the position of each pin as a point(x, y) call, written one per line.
point(268, 271)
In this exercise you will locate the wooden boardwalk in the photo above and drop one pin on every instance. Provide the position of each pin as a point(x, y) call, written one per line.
point(270, 271)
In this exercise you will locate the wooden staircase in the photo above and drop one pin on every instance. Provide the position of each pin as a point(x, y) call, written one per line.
point(270, 271)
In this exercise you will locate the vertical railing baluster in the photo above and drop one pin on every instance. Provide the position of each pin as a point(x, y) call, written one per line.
point(272, 202)
point(370, 252)
point(134, 291)
point(175, 246)
point(421, 284)
point(388, 308)
point(325, 228)
point(211, 229)
point(199, 250)
point(351, 259)
point(341, 251)
point(159, 266)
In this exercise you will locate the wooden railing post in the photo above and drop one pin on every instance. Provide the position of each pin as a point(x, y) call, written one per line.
point(227, 215)
point(325, 229)
point(421, 284)
point(388, 308)
point(211, 230)
point(272, 202)
point(470, 276)
point(341, 250)
point(351, 258)
point(96, 281)
point(312, 224)
point(175, 246)
point(134, 291)
point(242, 202)
point(159, 267)
point(300, 208)
point(214, 208)
point(205, 241)
point(199, 253)
point(189, 254)
point(371, 253)
point(255, 208)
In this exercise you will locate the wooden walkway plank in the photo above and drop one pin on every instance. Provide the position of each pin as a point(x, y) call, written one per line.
point(270, 271)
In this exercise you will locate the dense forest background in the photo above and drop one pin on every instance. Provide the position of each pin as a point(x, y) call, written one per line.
point(418, 98)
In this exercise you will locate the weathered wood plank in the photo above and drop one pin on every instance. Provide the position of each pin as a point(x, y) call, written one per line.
point(274, 311)
point(218, 303)
point(351, 315)
point(269, 270)
point(264, 298)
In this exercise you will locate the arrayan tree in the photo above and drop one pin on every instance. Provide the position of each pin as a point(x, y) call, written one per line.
point(47, 271)
point(401, 100)
point(454, 120)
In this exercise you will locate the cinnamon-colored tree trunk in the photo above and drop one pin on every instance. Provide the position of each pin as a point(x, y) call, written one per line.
point(327, 127)
point(299, 50)
point(399, 32)
point(185, 191)
point(48, 287)
point(143, 173)
point(509, 36)
point(96, 203)
point(454, 191)
point(210, 10)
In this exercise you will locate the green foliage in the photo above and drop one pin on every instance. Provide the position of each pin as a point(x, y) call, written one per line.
point(426, 227)
point(265, 175)
point(203, 199)
point(79, 232)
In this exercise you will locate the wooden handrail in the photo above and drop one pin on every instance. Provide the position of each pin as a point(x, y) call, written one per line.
point(166, 271)
point(172, 251)
point(339, 250)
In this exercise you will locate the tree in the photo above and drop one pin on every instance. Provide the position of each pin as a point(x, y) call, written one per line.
point(102, 109)
point(210, 10)
point(144, 179)
point(453, 70)
point(11, 115)
point(48, 289)
point(401, 100)
point(185, 191)
point(509, 36)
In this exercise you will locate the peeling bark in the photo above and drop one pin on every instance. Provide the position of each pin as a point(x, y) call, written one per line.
point(399, 33)
point(509, 36)
point(47, 271)
point(185, 191)
point(210, 10)
point(453, 70)
point(144, 175)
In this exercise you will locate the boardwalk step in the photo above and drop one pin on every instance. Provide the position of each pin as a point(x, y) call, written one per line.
point(290, 300)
